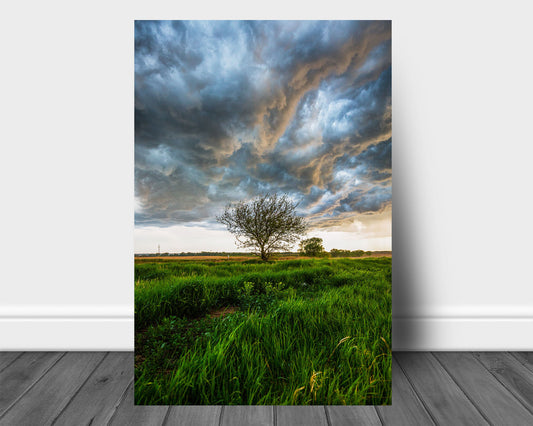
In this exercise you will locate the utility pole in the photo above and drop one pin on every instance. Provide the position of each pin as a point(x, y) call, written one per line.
point(158, 250)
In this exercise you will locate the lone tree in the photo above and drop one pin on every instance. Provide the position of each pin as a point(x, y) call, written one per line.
point(266, 224)
point(312, 247)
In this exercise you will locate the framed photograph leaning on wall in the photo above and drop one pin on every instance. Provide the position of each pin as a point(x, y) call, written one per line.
point(263, 212)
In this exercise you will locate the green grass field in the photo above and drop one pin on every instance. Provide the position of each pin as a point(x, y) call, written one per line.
point(300, 332)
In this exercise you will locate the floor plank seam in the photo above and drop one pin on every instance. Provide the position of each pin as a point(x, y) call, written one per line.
point(505, 386)
point(78, 390)
point(221, 416)
point(417, 394)
point(32, 385)
point(275, 415)
point(526, 365)
point(328, 419)
point(11, 362)
point(120, 401)
point(379, 415)
point(165, 419)
point(479, 410)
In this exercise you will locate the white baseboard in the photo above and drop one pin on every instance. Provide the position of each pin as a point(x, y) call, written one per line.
point(66, 334)
point(83, 329)
point(66, 328)
point(462, 334)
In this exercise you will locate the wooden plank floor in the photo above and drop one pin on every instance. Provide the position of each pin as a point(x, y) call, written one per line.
point(96, 388)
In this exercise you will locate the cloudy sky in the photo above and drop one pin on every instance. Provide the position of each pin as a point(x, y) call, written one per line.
point(228, 110)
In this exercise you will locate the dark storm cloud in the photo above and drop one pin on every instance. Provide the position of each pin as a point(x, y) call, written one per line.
point(226, 110)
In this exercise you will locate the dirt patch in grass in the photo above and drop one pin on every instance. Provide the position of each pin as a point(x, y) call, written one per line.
point(223, 311)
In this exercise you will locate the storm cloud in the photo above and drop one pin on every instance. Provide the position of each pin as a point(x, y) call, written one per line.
point(228, 110)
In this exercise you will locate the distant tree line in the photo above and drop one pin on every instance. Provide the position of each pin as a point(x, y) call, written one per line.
point(313, 247)
point(348, 253)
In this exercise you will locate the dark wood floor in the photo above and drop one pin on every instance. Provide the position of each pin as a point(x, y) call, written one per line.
point(96, 388)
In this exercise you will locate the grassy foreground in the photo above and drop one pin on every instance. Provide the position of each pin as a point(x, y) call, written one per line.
point(313, 331)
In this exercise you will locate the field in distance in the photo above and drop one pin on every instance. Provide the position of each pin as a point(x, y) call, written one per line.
point(239, 257)
point(289, 332)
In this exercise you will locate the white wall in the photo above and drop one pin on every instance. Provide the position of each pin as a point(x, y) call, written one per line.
point(462, 93)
